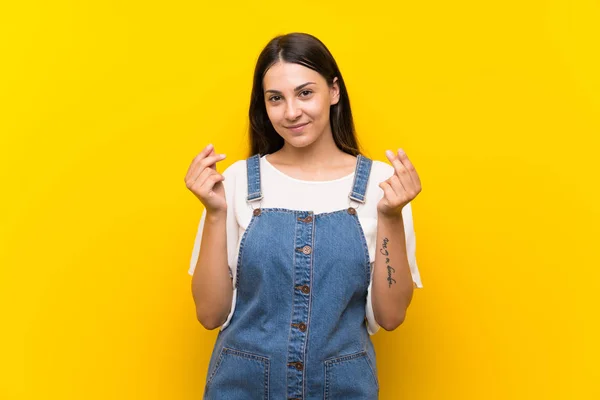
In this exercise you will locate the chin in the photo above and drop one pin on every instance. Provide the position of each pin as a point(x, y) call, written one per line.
point(298, 141)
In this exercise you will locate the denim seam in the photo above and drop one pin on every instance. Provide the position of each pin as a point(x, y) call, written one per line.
point(345, 357)
point(363, 169)
point(263, 360)
point(253, 171)
point(240, 252)
point(373, 371)
point(329, 363)
point(245, 354)
point(306, 342)
point(356, 190)
point(356, 169)
point(249, 182)
point(257, 177)
point(365, 248)
point(217, 365)
point(293, 294)
point(268, 377)
point(294, 211)
point(326, 383)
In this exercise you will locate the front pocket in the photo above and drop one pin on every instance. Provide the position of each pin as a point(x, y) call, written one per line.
point(238, 375)
point(350, 377)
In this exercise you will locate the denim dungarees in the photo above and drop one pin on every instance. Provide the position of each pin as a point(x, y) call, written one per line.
point(298, 330)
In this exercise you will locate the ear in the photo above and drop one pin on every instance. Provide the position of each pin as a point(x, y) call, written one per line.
point(334, 91)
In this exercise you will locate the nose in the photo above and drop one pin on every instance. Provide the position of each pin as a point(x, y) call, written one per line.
point(292, 111)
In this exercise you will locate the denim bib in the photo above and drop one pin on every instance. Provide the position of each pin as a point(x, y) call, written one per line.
point(298, 330)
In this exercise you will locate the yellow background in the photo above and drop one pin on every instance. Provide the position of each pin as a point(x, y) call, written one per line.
point(104, 104)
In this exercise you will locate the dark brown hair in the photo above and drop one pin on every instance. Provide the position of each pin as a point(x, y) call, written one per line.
point(306, 50)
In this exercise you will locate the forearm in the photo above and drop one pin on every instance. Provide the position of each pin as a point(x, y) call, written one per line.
point(211, 284)
point(392, 287)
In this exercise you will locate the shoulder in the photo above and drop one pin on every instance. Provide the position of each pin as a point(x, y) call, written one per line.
point(235, 169)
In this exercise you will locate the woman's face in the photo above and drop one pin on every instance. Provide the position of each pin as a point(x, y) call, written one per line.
point(297, 95)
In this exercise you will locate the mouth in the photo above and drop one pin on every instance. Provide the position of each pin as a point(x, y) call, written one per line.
point(297, 128)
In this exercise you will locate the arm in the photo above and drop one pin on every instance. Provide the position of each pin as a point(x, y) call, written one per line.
point(212, 287)
point(392, 288)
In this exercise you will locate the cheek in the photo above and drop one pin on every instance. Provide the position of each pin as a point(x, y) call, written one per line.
point(316, 110)
point(272, 114)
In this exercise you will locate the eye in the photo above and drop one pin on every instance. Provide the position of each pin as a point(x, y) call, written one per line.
point(272, 98)
point(306, 91)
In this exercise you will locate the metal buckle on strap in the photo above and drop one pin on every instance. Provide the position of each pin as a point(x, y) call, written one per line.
point(249, 202)
point(350, 200)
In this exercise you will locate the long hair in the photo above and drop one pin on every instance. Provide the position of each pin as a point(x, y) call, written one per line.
point(306, 50)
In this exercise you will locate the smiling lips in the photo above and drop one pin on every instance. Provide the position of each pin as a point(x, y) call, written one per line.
point(296, 126)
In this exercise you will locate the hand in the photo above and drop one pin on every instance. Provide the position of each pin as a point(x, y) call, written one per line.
point(400, 188)
point(205, 182)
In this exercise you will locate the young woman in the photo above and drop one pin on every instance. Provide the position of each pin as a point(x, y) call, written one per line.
point(305, 248)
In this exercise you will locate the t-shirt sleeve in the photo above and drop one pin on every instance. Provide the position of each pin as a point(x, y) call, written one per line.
point(411, 245)
point(231, 224)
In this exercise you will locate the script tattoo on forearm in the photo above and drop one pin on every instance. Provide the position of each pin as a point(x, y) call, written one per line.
point(386, 253)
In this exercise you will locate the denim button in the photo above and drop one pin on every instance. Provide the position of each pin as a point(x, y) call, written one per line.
point(301, 326)
point(351, 210)
point(298, 365)
point(306, 249)
point(308, 219)
point(303, 288)
point(256, 211)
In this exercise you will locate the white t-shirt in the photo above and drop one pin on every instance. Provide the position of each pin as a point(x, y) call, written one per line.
point(281, 190)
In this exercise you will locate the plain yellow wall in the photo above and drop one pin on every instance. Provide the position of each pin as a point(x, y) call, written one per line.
point(104, 105)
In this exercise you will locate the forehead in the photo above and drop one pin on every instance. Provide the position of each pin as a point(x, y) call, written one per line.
point(286, 76)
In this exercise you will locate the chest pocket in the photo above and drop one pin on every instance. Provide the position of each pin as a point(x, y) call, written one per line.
point(266, 252)
point(341, 254)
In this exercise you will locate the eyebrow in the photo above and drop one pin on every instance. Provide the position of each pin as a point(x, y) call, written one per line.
point(295, 89)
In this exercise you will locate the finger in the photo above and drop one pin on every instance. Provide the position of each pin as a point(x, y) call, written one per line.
point(203, 175)
point(400, 170)
point(396, 163)
point(203, 163)
point(403, 157)
point(398, 187)
point(208, 162)
point(388, 193)
point(212, 152)
point(194, 164)
point(201, 166)
point(390, 155)
point(207, 188)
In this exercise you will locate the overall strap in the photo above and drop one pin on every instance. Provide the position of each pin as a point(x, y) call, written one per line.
point(253, 169)
point(361, 178)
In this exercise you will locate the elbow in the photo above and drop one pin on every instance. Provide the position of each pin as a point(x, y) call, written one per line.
point(392, 323)
point(209, 323)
